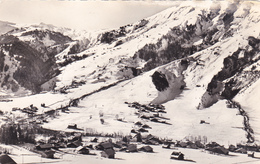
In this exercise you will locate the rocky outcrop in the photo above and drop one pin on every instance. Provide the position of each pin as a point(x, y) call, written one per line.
point(45, 41)
point(231, 79)
point(114, 35)
point(160, 81)
point(169, 83)
point(183, 41)
point(110, 36)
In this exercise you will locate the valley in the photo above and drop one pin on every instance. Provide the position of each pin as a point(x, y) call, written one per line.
point(187, 74)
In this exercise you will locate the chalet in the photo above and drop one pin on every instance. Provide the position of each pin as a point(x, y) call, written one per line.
point(146, 126)
point(219, 150)
point(48, 154)
point(168, 146)
point(251, 154)
point(94, 140)
point(72, 126)
point(203, 122)
point(90, 147)
point(74, 144)
point(249, 147)
point(232, 148)
point(61, 145)
point(120, 144)
point(150, 139)
point(154, 119)
point(142, 130)
point(138, 137)
point(44, 146)
point(212, 144)
point(131, 148)
point(182, 144)
point(117, 145)
point(199, 144)
point(146, 149)
point(191, 145)
point(138, 123)
point(50, 112)
point(145, 117)
point(108, 153)
point(161, 111)
point(241, 150)
point(126, 139)
point(75, 138)
point(82, 150)
point(41, 141)
point(177, 155)
point(104, 145)
point(133, 131)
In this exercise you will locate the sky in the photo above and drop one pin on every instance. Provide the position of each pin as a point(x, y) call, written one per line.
point(79, 14)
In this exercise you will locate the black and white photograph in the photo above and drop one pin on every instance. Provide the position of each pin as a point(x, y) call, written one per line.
point(131, 82)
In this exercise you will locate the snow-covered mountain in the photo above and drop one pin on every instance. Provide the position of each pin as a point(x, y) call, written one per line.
point(200, 60)
point(28, 58)
point(6, 26)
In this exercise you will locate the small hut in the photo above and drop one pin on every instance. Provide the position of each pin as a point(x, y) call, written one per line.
point(72, 126)
point(251, 154)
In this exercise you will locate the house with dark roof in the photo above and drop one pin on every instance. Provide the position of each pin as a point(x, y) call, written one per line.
point(131, 148)
point(48, 154)
point(6, 159)
point(72, 126)
point(82, 150)
point(146, 149)
point(241, 150)
point(219, 150)
point(177, 155)
point(104, 145)
point(44, 146)
point(108, 153)
point(74, 144)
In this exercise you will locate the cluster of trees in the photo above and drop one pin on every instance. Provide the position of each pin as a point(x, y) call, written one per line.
point(110, 36)
point(11, 133)
point(142, 23)
point(72, 58)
